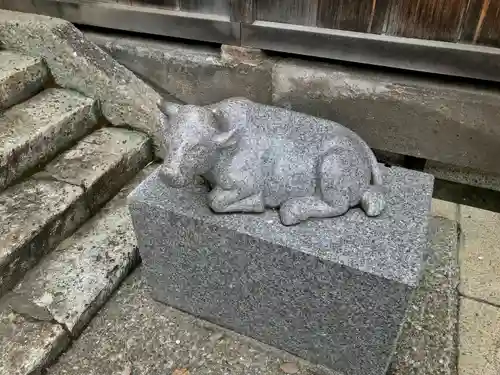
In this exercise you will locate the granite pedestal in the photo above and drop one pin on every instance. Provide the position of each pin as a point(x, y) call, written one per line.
point(332, 291)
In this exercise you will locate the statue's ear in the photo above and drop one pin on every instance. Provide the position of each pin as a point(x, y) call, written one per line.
point(169, 109)
point(226, 139)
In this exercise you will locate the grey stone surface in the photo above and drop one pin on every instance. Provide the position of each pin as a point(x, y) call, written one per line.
point(34, 217)
point(27, 346)
point(71, 283)
point(429, 344)
point(20, 78)
point(76, 63)
point(464, 175)
point(194, 74)
point(256, 156)
point(102, 163)
point(36, 130)
point(325, 290)
point(133, 334)
point(450, 123)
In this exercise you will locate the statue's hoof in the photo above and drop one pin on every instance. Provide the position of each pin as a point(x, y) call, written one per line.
point(288, 218)
point(373, 202)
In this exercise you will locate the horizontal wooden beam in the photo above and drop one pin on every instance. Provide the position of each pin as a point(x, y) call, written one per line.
point(454, 59)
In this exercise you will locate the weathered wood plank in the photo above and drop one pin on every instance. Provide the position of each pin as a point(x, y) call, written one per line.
point(242, 10)
point(205, 6)
point(354, 15)
point(426, 19)
point(299, 12)
point(471, 18)
point(482, 23)
point(489, 33)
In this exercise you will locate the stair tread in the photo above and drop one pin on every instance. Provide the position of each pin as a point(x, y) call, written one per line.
point(105, 148)
point(21, 76)
point(37, 114)
point(35, 130)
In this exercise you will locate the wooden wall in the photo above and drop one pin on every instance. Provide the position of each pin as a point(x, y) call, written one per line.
point(471, 21)
point(467, 21)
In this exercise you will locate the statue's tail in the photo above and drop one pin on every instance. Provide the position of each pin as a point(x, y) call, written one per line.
point(373, 200)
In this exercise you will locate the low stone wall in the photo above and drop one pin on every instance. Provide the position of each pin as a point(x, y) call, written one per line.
point(457, 124)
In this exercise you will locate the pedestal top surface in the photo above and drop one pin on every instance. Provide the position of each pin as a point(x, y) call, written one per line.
point(390, 245)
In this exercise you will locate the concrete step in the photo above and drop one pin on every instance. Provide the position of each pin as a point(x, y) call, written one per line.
point(34, 131)
point(57, 299)
point(20, 78)
point(42, 211)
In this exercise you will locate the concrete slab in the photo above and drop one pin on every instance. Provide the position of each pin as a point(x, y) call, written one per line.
point(428, 341)
point(446, 209)
point(102, 163)
point(450, 123)
point(479, 338)
point(394, 112)
point(194, 74)
point(480, 254)
point(463, 175)
point(27, 345)
point(20, 78)
point(36, 130)
point(34, 217)
point(136, 334)
point(73, 282)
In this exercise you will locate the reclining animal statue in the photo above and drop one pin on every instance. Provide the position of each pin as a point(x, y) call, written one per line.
point(256, 156)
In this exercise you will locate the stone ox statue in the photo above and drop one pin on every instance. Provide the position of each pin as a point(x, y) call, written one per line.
point(256, 156)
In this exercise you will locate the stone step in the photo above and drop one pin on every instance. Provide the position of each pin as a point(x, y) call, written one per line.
point(102, 163)
point(34, 131)
point(40, 212)
point(59, 297)
point(20, 78)
point(35, 216)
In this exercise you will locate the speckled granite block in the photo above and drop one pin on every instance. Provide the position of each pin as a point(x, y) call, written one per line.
point(334, 292)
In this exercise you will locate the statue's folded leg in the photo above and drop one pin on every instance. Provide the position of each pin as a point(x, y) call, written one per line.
point(235, 201)
point(295, 210)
